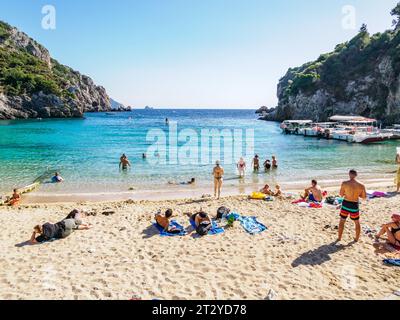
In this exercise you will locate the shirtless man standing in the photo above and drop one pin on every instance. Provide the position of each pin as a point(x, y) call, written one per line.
point(352, 191)
point(124, 162)
point(218, 174)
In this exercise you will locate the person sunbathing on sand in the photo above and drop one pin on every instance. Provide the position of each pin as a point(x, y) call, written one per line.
point(59, 230)
point(267, 191)
point(392, 230)
point(203, 222)
point(15, 199)
point(313, 193)
point(164, 222)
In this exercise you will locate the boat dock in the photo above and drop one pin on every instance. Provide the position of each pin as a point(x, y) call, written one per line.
point(352, 129)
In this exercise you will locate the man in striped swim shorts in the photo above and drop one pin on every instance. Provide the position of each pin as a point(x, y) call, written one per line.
point(352, 191)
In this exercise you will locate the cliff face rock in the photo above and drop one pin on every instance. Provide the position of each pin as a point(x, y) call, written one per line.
point(32, 84)
point(361, 77)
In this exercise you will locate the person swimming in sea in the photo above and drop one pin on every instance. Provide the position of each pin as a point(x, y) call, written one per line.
point(218, 173)
point(57, 178)
point(192, 181)
point(124, 163)
point(256, 163)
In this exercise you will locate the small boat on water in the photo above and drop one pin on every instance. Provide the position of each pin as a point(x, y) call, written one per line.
point(352, 129)
point(295, 126)
point(394, 131)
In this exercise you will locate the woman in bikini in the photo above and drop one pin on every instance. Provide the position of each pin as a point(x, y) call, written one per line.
point(392, 231)
point(241, 166)
point(218, 174)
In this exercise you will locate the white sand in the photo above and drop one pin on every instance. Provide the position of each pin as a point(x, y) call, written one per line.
point(123, 256)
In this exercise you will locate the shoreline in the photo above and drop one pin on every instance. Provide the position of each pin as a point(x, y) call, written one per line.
point(171, 192)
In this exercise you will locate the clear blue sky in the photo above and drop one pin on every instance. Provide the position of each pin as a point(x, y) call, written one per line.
point(192, 53)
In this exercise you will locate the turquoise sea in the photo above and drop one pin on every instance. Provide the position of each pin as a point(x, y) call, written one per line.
point(86, 152)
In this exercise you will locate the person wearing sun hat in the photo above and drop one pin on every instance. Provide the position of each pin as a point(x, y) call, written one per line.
point(392, 230)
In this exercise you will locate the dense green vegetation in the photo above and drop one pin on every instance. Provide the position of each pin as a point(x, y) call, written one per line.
point(23, 73)
point(349, 61)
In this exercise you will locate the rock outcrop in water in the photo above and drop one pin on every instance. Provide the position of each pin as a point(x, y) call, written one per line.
point(360, 77)
point(32, 84)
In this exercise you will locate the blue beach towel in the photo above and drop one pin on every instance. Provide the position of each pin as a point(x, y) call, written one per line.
point(250, 224)
point(392, 262)
point(214, 230)
point(173, 223)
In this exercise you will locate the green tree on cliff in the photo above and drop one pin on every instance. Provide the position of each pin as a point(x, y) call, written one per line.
point(396, 13)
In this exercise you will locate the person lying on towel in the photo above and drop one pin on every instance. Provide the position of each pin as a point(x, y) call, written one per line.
point(164, 222)
point(203, 223)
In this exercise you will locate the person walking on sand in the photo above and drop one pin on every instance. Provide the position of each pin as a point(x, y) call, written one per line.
point(256, 163)
point(218, 173)
point(351, 191)
point(124, 163)
point(397, 179)
point(241, 166)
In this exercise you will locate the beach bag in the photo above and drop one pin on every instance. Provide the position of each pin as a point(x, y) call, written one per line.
point(203, 228)
point(330, 200)
point(222, 211)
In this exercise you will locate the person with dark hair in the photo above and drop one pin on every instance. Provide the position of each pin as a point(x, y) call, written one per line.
point(164, 221)
point(267, 164)
point(313, 193)
point(256, 163)
point(57, 178)
point(59, 230)
point(392, 231)
point(351, 191)
point(124, 162)
point(202, 222)
point(15, 198)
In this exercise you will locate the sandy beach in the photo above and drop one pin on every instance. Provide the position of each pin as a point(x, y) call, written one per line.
point(124, 257)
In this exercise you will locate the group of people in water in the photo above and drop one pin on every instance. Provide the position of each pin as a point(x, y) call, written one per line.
point(268, 165)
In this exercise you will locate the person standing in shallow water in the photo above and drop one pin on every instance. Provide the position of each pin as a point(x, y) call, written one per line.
point(352, 191)
point(241, 166)
point(124, 163)
point(256, 163)
point(218, 173)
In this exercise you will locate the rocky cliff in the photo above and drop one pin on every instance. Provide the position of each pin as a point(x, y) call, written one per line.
point(32, 84)
point(360, 77)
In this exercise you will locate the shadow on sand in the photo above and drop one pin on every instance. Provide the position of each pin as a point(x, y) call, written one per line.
point(320, 255)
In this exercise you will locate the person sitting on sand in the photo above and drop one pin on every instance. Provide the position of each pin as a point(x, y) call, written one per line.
point(392, 230)
point(218, 173)
point(57, 178)
point(313, 193)
point(59, 230)
point(267, 190)
point(256, 163)
point(164, 221)
point(124, 163)
point(77, 215)
point(241, 166)
point(274, 162)
point(15, 198)
point(202, 222)
point(278, 192)
point(267, 164)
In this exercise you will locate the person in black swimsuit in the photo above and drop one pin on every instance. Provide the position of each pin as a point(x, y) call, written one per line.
point(392, 231)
